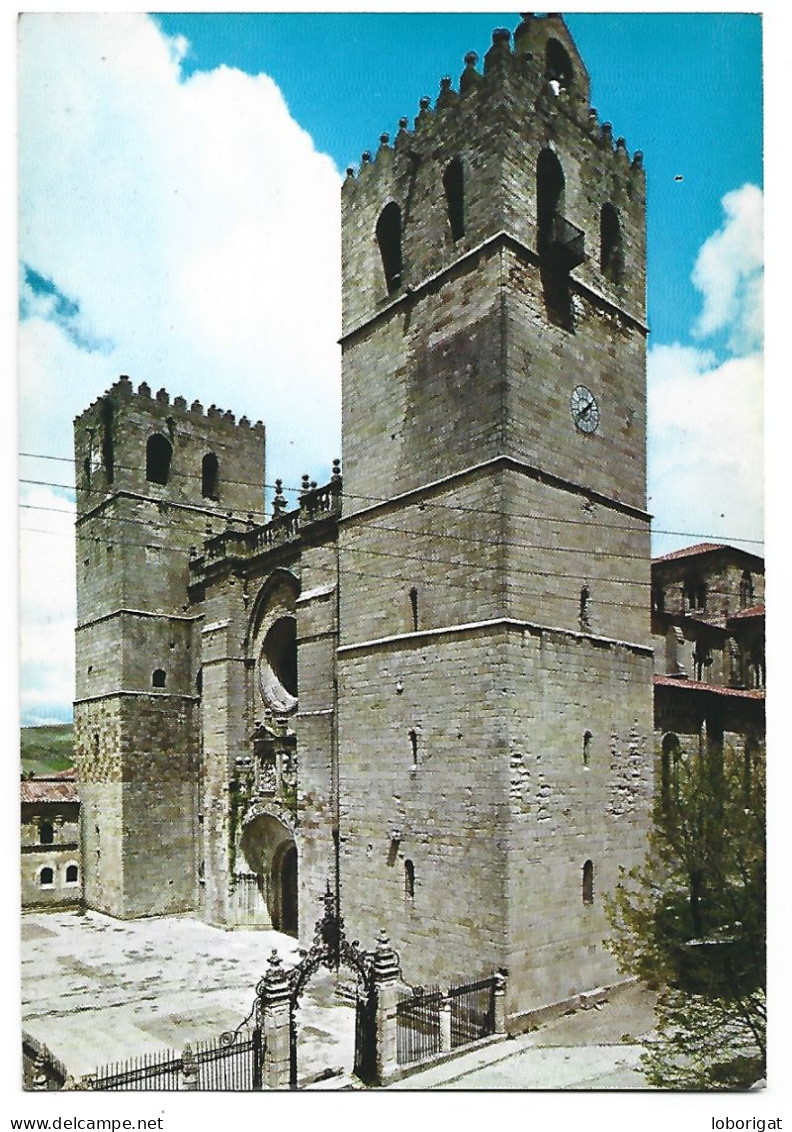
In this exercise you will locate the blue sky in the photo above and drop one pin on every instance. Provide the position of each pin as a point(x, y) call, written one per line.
point(178, 172)
point(684, 88)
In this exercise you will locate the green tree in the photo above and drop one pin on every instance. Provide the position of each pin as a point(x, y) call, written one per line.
point(690, 922)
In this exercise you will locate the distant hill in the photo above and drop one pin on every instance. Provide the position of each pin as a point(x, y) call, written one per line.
point(47, 749)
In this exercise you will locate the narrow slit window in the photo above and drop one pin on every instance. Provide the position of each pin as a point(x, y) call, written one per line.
point(454, 185)
point(414, 747)
point(414, 608)
point(586, 747)
point(409, 879)
point(588, 882)
point(610, 243)
point(584, 610)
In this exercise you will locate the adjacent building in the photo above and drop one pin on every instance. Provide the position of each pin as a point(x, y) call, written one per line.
point(51, 858)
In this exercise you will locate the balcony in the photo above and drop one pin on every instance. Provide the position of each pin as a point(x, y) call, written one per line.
point(562, 243)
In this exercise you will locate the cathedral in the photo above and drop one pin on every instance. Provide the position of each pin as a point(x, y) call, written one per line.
point(428, 686)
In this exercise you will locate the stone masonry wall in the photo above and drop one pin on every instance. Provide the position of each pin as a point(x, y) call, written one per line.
point(581, 783)
point(437, 798)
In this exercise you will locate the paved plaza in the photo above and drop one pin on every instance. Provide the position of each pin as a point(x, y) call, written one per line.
point(97, 990)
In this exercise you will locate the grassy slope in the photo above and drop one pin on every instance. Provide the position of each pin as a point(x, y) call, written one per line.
point(47, 749)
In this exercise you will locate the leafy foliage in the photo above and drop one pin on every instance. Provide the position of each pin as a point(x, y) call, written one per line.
point(690, 921)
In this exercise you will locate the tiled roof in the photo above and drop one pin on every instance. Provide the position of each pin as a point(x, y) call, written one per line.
point(49, 788)
point(689, 551)
point(716, 689)
point(753, 611)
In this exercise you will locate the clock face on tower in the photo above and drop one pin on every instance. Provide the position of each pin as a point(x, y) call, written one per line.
point(584, 408)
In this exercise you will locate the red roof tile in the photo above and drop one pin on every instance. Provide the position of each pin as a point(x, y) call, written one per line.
point(753, 611)
point(52, 788)
point(717, 689)
point(689, 551)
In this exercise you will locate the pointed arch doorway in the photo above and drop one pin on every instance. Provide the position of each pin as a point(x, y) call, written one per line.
point(270, 850)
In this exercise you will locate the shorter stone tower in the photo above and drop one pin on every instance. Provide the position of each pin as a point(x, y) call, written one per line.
point(154, 477)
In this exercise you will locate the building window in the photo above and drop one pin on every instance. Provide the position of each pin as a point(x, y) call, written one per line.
point(414, 746)
point(210, 475)
point(746, 590)
point(670, 758)
point(414, 608)
point(47, 877)
point(610, 243)
point(588, 882)
point(584, 613)
point(558, 66)
point(72, 874)
point(453, 183)
point(587, 747)
point(658, 599)
point(158, 458)
point(158, 678)
point(390, 245)
point(695, 595)
point(702, 660)
point(550, 186)
point(409, 880)
point(46, 833)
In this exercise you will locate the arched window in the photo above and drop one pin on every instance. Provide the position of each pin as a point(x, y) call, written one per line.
point(46, 833)
point(72, 874)
point(453, 183)
point(409, 880)
point(550, 186)
point(746, 590)
point(46, 877)
point(158, 678)
point(210, 476)
point(158, 458)
point(670, 756)
point(558, 66)
point(610, 243)
point(389, 240)
point(588, 882)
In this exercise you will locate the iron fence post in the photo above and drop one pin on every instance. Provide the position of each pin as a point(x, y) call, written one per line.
point(445, 1023)
point(499, 1002)
point(189, 1069)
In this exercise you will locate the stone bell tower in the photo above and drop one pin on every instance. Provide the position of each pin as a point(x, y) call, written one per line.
point(494, 664)
point(153, 477)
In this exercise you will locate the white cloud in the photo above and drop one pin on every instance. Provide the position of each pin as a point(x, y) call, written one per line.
point(706, 464)
point(191, 233)
point(728, 272)
point(46, 601)
point(193, 223)
point(706, 414)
